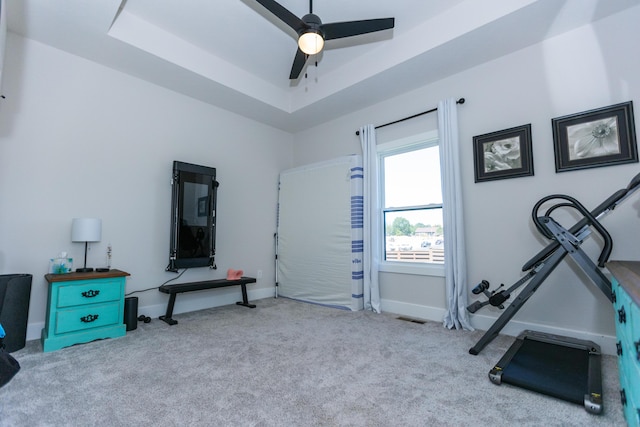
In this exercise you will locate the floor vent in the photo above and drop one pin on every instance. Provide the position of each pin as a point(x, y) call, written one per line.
point(409, 319)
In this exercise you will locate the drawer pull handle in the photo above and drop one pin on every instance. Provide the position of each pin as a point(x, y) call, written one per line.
point(90, 318)
point(623, 397)
point(619, 348)
point(91, 293)
point(622, 316)
point(637, 344)
point(613, 297)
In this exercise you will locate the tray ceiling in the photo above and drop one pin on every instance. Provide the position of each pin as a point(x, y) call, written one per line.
point(236, 55)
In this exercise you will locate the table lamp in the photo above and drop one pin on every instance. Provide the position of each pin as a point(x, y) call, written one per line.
point(86, 230)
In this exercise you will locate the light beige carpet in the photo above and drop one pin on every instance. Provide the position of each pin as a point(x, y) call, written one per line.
point(284, 363)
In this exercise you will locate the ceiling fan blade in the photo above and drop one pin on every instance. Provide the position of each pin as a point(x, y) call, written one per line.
point(337, 30)
point(298, 64)
point(283, 14)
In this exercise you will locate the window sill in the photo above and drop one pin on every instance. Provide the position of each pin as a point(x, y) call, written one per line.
point(410, 268)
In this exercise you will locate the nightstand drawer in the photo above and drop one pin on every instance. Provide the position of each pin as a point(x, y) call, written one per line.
point(626, 301)
point(89, 292)
point(627, 318)
point(629, 404)
point(87, 317)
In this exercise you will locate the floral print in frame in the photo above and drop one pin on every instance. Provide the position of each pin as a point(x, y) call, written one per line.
point(601, 137)
point(503, 154)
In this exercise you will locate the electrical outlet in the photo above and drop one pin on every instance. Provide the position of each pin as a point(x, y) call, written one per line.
point(259, 274)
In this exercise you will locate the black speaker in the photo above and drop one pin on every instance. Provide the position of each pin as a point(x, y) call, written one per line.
point(131, 313)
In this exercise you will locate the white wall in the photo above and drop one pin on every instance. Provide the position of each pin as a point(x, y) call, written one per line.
point(78, 139)
point(81, 140)
point(588, 68)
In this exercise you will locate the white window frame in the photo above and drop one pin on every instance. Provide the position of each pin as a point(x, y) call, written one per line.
point(422, 140)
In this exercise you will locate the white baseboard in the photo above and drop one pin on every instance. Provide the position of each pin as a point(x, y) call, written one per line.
point(513, 328)
point(34, 330)
point(434, 314)
point(217, 299)
point(210, 299)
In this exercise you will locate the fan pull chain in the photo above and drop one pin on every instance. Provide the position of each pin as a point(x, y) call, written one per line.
point(306, 75)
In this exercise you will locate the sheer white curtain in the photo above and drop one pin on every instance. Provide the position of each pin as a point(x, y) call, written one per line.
point(456, 315)
point(371, 218)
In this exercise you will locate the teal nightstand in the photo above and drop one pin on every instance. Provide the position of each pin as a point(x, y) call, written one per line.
point(83, 307)
point(626, 302)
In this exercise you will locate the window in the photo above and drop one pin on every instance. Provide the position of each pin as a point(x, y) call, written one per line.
point(410, 194)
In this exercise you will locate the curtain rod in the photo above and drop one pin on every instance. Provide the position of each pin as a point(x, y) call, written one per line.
point(459, 101)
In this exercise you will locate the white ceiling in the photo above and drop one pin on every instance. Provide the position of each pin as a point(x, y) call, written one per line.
point(236, 55)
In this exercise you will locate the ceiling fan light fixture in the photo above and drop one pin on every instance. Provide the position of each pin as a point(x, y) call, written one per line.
point(312, 32)
point(311, 42)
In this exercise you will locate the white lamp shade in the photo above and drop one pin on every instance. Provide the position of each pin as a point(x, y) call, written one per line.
point(310, 43)
point(86, 230)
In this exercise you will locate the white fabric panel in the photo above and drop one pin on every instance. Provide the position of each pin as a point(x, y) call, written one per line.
point(319, 252)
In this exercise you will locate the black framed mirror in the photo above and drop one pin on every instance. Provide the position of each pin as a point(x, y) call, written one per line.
point(193, 214)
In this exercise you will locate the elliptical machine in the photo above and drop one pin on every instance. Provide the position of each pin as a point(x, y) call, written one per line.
point(563, 242)
point(563, 367)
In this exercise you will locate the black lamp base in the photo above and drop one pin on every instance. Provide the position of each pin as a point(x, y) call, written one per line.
point(85, 269)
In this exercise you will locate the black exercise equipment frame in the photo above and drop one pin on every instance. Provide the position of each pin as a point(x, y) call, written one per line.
point(564, 242)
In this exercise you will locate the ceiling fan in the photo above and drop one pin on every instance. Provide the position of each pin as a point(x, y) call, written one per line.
point(312, 32)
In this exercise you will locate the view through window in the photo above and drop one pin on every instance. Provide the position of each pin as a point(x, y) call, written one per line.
point(412, 204)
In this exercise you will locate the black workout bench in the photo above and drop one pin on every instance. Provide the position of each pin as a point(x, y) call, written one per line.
point(178, 288)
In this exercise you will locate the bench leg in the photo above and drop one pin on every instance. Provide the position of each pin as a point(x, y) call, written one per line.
point(245, 299)
point(167, 317)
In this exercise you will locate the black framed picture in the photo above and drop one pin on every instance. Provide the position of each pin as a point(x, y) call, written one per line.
point(601, 137)
point(503, 154)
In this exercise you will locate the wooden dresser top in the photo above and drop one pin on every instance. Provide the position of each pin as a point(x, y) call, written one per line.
point(84, 276)
point(627, 273)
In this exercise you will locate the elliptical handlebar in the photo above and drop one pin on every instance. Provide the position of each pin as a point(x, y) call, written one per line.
point(606, 206)
point(536, 217)
point(588, 217)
